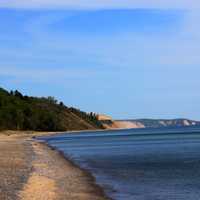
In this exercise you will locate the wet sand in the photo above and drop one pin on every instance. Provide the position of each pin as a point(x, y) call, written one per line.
point(31, 170)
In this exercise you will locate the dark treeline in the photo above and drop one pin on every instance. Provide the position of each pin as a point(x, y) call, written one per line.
point(19, 112)
point(89, 117)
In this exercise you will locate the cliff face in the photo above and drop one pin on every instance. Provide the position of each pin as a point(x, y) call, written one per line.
point(147, 123)
point(159, 123)
point(112, 124)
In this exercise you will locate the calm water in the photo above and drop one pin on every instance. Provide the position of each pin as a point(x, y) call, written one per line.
point(148, 164)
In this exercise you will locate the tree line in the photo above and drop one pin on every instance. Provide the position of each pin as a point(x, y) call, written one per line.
point(21, 112)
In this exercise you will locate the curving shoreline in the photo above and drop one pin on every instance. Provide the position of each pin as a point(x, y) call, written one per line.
point(46, 173)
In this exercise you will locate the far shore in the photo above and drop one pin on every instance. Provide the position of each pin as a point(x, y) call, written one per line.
point(32, 170)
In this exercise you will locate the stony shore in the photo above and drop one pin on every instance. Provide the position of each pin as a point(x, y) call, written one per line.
point(31, 170)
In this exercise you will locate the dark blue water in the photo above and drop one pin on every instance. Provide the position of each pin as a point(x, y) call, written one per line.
point(144, 164)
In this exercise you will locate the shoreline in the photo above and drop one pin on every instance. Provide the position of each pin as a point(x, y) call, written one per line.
point(46, 174)
point(91, 179)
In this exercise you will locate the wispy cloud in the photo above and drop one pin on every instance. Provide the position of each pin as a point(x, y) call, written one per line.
point(152, 60)
point(100, 4)
point(46, 74)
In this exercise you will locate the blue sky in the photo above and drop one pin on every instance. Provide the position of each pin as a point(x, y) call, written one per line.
point(126, 61)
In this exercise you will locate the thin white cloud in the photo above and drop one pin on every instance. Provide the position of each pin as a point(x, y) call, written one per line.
point(46, 75)
point(100, 4)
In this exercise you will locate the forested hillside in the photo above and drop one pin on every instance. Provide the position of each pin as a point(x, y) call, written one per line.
point(19, 112)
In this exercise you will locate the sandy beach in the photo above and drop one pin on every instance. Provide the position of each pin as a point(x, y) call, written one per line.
point(31, 170)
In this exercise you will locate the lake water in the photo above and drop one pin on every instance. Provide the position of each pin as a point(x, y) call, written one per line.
point(138, 164)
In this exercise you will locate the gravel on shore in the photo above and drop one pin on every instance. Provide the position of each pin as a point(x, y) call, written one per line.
point(31, 170)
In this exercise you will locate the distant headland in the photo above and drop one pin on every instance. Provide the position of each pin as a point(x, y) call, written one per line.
point(110, 123)
point(22, 112)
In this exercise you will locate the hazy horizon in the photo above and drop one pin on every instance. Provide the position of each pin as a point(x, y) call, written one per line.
point(127, 59)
